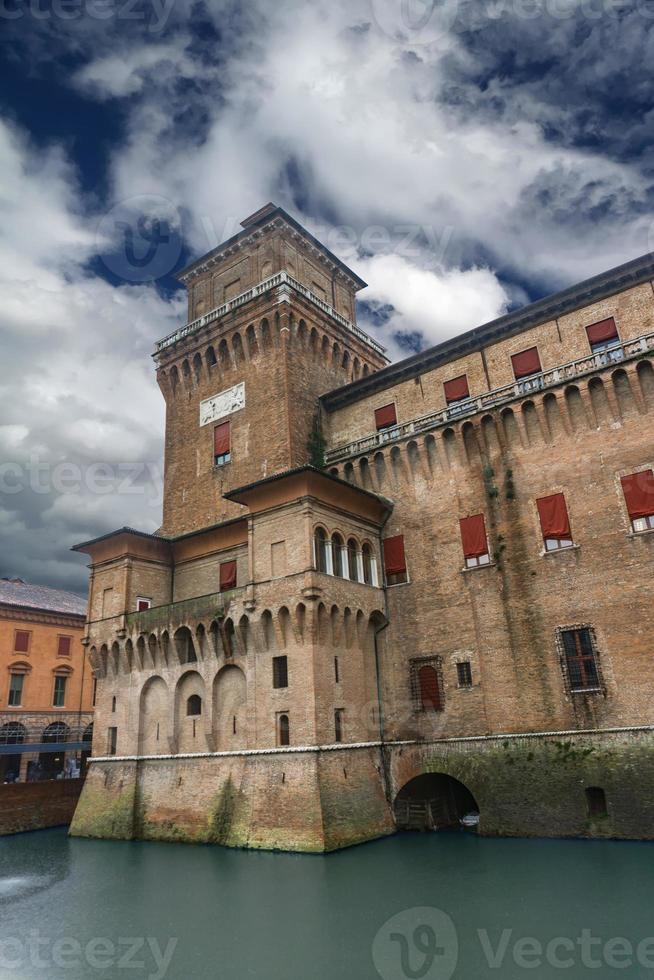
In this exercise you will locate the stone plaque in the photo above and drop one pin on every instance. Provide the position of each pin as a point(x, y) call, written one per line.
point(222, 404)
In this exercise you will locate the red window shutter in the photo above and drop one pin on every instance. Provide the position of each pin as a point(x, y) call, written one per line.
point(602, 331)
point(63, 648)
point(221, 439)
point(143, 604)
point(553, 515)
point(22, 642)
point(394, 559)
point(526, 362)
point(638, 491)
point(386, 416)
point(456, 389)
point(473, 536)
point(227, 575)
point(430, 693)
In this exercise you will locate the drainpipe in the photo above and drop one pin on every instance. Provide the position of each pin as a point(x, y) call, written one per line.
point(380, 701)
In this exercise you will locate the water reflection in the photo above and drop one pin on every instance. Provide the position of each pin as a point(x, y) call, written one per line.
point(28, 867)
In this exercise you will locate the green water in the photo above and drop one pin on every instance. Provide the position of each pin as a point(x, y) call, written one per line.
point(428, 906)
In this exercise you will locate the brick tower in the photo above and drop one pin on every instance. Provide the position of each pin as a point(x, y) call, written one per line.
point(271, 326)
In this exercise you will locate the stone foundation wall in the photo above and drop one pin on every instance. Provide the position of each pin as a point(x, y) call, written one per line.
point(296, 801)
point(535, 786)
point(35, 806)
point(328, 799)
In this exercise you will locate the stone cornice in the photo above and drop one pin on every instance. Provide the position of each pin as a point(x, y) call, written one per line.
point(24, 614)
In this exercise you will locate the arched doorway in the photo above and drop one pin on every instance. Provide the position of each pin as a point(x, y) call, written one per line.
point(433, 801)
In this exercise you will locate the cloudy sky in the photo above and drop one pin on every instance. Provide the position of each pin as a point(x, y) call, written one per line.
point(465, 158)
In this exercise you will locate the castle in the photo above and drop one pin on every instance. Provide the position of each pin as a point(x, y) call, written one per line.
point(383, 595)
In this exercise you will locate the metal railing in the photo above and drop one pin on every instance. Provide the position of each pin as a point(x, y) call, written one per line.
point(610, 357)
point(279, 279)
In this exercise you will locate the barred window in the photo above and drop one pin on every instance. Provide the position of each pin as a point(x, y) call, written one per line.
point(427, 684)
point(464, 673)
point(280, 672)
point(580, 661)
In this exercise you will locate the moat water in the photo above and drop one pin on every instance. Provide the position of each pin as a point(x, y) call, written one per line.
point(430, 906)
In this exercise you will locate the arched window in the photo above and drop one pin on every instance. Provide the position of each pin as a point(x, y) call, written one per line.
point(320, 545)
point(596, 802)
point(58, 731)
point(338, 556)
point(366, 552)
point(352, 560)
point(283, 730)
point(194, 706)
point(429, 688)
point(13, 733)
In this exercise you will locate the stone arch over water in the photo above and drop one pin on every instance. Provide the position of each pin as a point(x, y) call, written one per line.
point(433, 801)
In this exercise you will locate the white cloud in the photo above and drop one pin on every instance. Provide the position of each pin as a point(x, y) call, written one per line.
point(79, 387)
point(436, 304)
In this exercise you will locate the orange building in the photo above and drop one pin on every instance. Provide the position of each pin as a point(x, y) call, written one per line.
point(46, 686)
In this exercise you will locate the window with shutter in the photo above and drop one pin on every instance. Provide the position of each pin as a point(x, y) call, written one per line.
point(430, 694)
point(143, 603)
point(222, 449)
point(227, 575)
point(385, 417)
point(602, 335)
point(638, 489)
point(16, 682)
point(457, 389)
point(395, 560)
point(554, 522)
point(22, 641)
point(526, 366)
point(474, 541)
point(64, 646)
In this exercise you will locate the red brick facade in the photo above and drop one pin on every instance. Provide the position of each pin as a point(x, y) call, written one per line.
point(386, 671)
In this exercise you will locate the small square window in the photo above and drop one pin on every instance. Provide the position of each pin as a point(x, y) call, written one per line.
point(64, 646)
point(464, 674)
point(22, 641)
point(143, 603)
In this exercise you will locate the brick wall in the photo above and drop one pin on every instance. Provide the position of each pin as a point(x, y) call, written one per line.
point(34, 806)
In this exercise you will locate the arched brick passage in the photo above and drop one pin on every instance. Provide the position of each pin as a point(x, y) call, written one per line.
point(433, 801)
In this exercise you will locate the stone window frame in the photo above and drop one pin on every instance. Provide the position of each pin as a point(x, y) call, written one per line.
point(415, 664)
point(563, 660)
